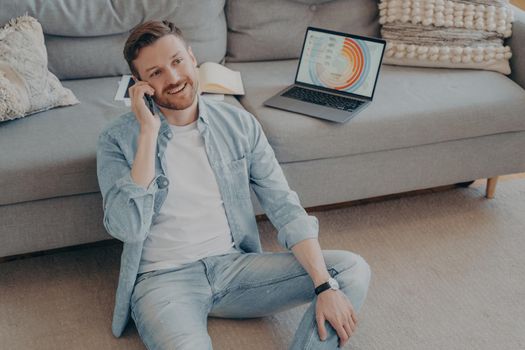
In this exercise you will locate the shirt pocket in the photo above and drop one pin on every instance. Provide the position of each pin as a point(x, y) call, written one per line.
point(236, 177)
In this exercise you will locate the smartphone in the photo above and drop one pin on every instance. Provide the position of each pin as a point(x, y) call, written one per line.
point(149, 103)
point(148, 100)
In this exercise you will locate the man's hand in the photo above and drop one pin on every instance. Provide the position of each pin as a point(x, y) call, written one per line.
point(333, 306)
point(143, 169)
point(148, 122)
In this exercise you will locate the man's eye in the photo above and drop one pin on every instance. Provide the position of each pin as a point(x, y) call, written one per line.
point(178, 60)
point(157, 72)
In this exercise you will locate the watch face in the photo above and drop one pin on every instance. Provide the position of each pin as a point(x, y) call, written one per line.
point(333, 284)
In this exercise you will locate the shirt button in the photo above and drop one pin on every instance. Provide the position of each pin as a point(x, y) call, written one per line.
point(313, 8)
point(170, 135)
point(163, 182)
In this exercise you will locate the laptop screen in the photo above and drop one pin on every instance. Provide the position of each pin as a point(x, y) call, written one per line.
point(343, 62)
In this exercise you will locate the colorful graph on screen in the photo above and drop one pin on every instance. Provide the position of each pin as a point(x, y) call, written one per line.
point(339, 62)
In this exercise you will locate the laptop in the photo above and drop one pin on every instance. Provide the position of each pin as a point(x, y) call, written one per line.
point(336, 76)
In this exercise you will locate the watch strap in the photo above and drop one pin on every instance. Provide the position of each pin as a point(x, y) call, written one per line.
point(322, 287)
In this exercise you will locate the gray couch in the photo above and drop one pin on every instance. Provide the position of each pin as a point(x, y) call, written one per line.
point(425, 128)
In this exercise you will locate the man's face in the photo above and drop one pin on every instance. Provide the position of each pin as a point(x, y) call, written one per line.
point(170, 69)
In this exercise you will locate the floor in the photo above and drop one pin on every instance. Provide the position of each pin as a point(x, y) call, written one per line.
point(447, 273)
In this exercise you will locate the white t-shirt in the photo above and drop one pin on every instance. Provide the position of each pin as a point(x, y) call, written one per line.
point(192, 223)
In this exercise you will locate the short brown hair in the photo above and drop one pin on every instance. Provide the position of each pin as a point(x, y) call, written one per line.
point(146, 34)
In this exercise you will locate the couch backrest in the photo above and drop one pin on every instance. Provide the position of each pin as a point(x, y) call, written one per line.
point(85, 38)
point(274, 29)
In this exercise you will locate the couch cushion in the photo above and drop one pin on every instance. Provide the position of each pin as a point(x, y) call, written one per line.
point(85, 39)
point(412, 106)
point(274, 29)
point(53, 153)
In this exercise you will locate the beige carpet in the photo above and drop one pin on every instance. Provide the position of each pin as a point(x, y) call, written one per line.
point(448, 273)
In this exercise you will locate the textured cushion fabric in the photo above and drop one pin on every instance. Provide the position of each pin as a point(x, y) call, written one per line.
point(85, 39)
point(26, 85)
point(517, 62)
point(56, 151)
point(412, 106)
point(445, 33)
point(275, 29)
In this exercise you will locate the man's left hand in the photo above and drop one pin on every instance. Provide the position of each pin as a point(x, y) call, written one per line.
point(333, 306)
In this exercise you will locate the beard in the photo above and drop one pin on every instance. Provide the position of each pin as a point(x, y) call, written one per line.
point(182, 100)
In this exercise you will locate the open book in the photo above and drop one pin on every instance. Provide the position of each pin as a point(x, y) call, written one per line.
point(216, 78)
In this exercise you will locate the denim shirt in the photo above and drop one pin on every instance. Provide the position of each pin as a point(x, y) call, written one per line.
point(240, 158)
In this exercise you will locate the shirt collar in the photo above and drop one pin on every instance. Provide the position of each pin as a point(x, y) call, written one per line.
point(203, 110)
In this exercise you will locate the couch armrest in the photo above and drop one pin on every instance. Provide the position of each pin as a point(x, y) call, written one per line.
point(517, 46)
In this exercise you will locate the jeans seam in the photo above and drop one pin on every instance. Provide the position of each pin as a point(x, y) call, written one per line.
point(209, 276)
point(246, 286)
point(138, 329)
point(268, 282)
point(215, 295)
point(312, 334)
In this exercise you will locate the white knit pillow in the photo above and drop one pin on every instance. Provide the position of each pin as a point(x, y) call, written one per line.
point(26, 85)
point(445, 33)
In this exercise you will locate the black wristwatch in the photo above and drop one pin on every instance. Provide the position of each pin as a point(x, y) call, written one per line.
point(330, 284)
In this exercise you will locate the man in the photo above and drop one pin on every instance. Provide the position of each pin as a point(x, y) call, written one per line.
point(176, 186)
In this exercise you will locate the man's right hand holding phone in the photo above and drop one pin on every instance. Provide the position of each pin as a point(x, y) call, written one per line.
point(149, 123)
point(143, 169)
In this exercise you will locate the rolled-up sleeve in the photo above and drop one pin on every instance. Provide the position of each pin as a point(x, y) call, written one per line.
point(128, 207)
point(280, 203)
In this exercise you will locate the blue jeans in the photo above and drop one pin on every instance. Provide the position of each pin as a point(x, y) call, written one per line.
point(170, 307)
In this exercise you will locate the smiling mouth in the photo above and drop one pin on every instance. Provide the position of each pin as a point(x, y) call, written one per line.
point(177, 90)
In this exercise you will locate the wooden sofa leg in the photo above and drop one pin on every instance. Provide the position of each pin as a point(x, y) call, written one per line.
point(491, 186)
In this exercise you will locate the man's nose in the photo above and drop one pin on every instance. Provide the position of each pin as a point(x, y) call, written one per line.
point(173, 76)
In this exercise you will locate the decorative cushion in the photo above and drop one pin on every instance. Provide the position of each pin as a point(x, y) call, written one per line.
point(26, 85)
point(445, 33)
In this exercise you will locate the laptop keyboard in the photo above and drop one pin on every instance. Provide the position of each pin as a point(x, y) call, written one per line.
point(320, 98)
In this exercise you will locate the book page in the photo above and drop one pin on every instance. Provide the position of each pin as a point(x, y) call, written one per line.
point(216, 78)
